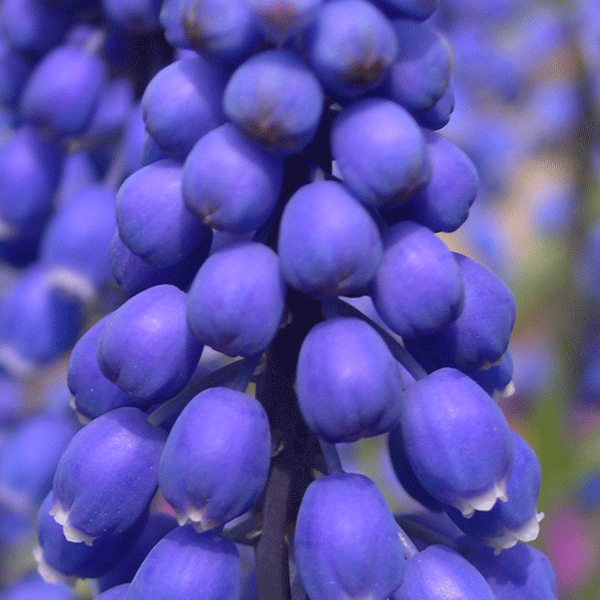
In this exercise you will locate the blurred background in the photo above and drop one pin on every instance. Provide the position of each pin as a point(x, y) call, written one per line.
point(526, 83)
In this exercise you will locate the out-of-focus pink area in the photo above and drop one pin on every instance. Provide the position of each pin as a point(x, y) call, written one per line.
point(572, 546)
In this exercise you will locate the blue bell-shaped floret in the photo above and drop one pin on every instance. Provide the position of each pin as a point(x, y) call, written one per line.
point(519, 573)
point(107, 475)
point(237, 299)
point(444, 203)
point(216, 459)
point(347, 381)
point(516, 519)
point(329, 244)
point(457, 441)
point(182, 102)
point(346, 540)
point(146, 347)
point(154, 221)
point(188, 564)
point(418, 287)
point(275, 98)
point(479, 336)
point(440, 573)
point(63, 89)
point(93, 393)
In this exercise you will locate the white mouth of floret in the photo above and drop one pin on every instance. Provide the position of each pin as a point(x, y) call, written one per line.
point(71, 533)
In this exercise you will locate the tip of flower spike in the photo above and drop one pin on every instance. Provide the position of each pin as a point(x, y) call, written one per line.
point(72, 534)
point(484, 501)
point(195, 517)
point(47, 573)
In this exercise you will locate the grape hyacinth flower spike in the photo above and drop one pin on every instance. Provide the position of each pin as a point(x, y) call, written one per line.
point(216, 458)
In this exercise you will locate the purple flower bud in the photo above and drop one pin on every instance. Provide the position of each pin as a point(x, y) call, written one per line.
point(350, 45)
point(421, 72)
point(346, 540)
point(30, 166)
point(516, 519)
point(479, 336)
point(347, 381)
point(328, 243)
point(439, 573)
point(225, 31)
point(29, 459)
point(519, 573)
point(275, 98)
point(107, 475)
point(444, 203)
point(216, 459)
point(93, 393)
point(280, 21)
point(380, 151)
point(182, 102)
point(457, 441)
point(146, 347)
point(418, 287)
point(187, 564)
point(154, 221)
point(237, 299)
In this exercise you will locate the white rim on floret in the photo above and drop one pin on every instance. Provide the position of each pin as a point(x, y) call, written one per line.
point(72, 283)
point(507, 392)
point(80, 417)
point(48, 573)
point(72, 534)
point(195, 517)
point(484, 501)
point(526, 533)
point(488, 365)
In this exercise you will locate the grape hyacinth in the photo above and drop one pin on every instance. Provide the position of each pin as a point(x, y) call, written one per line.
point(203, 189)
